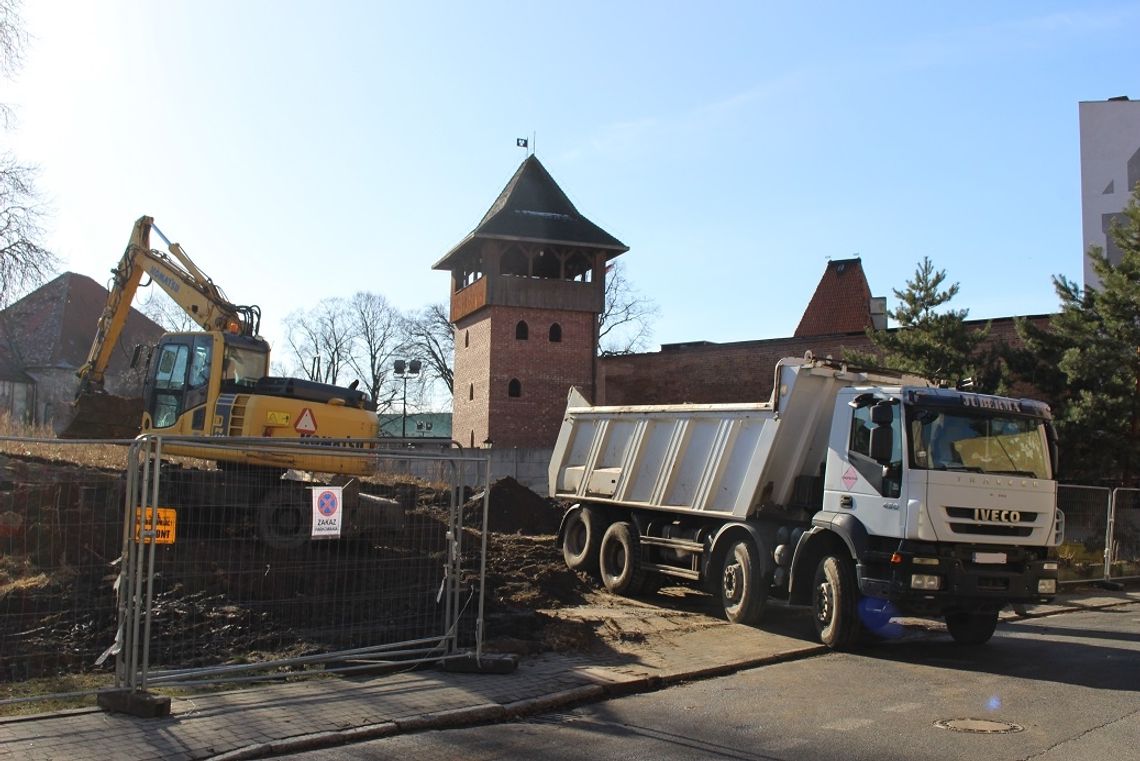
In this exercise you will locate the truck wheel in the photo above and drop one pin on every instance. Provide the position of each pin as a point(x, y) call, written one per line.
point(581, 540)
point(283, 522)
point(743, 589)
point(972, 627)
point(835, 600)
point(620, 560)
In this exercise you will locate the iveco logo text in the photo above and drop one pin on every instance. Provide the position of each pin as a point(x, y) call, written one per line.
point(1004, 516)
point(166, 280)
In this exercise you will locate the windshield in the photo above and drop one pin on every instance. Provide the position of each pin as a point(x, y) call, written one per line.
point(244, 366)
point(943, 439)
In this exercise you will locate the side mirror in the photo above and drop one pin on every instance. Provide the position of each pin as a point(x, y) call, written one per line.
point(882, 414)
point(882, 444)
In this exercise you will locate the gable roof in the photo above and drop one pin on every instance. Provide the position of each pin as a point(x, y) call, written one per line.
point(54, 325)
point(841, 303)
point(533, 208)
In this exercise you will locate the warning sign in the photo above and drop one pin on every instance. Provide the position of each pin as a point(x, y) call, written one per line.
point(326, 511)
point(155, 528)
point(850, 477)
point(306, 423)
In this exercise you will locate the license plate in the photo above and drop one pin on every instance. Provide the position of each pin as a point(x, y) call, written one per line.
point(989, 557)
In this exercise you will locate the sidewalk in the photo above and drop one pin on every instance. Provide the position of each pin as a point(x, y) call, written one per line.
point(283, 718)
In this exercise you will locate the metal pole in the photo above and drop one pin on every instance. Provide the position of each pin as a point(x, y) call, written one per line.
point(404, 422)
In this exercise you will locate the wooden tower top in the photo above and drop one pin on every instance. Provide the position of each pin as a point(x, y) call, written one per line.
point(532, 248)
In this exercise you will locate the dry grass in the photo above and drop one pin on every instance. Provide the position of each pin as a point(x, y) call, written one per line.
point(39, 441)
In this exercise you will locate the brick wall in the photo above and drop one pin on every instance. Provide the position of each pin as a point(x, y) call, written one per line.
point(741, 371)
point(733, 372)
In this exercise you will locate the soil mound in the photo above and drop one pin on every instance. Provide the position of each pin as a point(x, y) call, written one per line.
point(514, 509)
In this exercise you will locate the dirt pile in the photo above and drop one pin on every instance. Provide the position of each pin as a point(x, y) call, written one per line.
point(514, 509)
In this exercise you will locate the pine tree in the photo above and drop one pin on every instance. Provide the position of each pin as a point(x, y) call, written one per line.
point(935, 344)
point(1095, 344)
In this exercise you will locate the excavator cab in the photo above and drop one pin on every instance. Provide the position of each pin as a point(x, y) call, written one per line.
point(189, 370)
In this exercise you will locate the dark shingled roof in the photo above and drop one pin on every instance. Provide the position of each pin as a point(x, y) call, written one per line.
point(841, 304)
point(533, 208)
point(53, 326)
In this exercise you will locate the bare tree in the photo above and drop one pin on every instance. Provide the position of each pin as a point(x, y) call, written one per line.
point(626, 325)
point(376, 327)
point(164, 311)
point(321, 339)
point(429, 336)
point(24, 263)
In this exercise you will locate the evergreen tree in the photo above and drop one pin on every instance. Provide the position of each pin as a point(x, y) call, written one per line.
point(1095, 344)
point(932, 342)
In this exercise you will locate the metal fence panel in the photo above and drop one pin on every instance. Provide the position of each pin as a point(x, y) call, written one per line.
point(60, 537)
point(1082, 554)
point(1124, 536)
point(246, 591)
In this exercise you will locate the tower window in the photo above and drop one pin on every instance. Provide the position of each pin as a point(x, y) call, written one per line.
point(555, 333)
point(514, 388)
point(521, 331)
point(471, 391)
point(466, 338)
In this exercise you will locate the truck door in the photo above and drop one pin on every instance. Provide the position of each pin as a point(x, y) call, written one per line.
point(859, 479)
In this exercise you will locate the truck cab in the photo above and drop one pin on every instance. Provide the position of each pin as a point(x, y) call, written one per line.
point(950, 496)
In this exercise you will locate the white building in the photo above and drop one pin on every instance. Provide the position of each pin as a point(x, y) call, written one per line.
point(1110, 169)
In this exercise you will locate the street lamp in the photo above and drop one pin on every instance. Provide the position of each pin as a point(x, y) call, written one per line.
point(403, 369)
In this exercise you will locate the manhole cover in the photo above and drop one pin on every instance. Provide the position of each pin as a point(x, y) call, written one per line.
point(979, 726)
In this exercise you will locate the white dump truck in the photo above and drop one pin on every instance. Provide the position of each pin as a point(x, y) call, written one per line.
point(865, 494)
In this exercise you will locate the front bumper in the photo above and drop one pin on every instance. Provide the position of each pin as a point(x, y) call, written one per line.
point(970, 576)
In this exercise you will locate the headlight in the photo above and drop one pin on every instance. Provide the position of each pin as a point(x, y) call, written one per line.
point(925, 581)
point(1047, 586)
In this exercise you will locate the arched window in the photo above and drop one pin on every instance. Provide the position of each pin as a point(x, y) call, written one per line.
point(514, 388)
point(471, 391)
point(521, 331)
point(555, 333)
point(466, 338)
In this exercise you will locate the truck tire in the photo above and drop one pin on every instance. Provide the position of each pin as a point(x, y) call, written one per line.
point(620, 560)
point(284, 522)
point(581, 539)
point(835, 602)
point(743, 588)
point(972, 627)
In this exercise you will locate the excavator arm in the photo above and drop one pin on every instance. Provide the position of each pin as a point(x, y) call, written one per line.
point(176, 274)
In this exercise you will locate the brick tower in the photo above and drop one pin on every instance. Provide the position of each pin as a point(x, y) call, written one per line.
point(527, 286)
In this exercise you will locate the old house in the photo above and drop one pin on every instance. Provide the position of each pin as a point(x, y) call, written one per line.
point(46, 336)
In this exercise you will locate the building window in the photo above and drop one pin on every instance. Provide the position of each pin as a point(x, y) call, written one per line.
point(514, 388)
point(555, 333)
point(471, 391)
point(521, 331)
point(472, 440)
point(466, 338)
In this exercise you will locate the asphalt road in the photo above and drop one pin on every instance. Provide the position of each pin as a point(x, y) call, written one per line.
point(1062, 687)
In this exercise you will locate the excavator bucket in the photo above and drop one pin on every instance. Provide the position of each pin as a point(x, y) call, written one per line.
point(104, 416)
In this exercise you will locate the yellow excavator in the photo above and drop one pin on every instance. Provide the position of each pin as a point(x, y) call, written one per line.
point(215, 383)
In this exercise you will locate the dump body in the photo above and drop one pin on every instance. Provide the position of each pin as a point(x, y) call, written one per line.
point(724, 459)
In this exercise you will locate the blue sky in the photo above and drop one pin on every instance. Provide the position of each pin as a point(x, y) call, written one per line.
point(305, 150)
